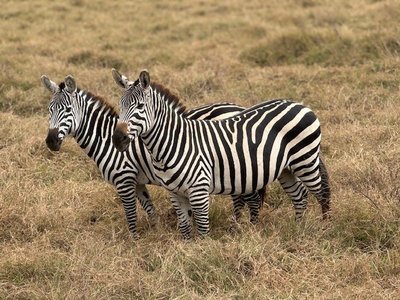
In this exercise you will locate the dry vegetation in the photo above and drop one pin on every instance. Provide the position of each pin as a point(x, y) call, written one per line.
point(62, 229)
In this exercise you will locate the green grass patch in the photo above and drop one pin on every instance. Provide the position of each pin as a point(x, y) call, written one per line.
point(93, 60)
point(203, 270)
point(328, 49)
point(22, 271)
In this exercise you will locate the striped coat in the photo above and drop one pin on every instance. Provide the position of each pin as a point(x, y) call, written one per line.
point(92, 121)
point(278, 139)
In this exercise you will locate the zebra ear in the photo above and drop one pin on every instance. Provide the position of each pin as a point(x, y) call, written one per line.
point(121, 80)
point(70, 83)
point(48, 84)
point(144, 79)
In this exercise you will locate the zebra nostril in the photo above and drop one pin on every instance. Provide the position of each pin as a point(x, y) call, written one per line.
point(53, 144)
point(124, 139)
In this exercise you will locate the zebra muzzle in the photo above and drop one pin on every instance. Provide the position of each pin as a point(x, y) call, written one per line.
point(120, 137)
point(53, 142)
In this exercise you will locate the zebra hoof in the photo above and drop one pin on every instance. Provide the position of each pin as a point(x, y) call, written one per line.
point(299, 216)
point(234, 228)
point(153, 220)
point(326, 216)
point(254, 220)
point(135, 236)
point(187, 237)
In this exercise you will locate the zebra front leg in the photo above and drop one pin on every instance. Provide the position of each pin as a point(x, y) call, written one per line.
point(238, 204)
point(253, 201)
point(183, 212)
point(145, 202)
point(128, 199)
point(199, 201)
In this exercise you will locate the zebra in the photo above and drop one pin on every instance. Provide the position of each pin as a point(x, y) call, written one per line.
point(276, 139)
point(91, 121)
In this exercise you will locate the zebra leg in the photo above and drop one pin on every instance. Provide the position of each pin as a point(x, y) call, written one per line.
point(145, 202)
point(199, 201)
point(315, 177)
point(128, 198)
point(253, 201)
point(238, 204)
point(296, 190)
point(183, 212)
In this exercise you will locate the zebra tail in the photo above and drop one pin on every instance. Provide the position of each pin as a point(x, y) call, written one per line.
point(261, 193)
point(325, 192)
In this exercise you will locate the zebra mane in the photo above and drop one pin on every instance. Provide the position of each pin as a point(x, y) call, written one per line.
point(88, 95)
point(169, 97)
point(99, 100)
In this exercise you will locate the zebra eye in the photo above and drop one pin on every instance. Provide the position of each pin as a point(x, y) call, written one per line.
point(140, 106)
point(68, 109)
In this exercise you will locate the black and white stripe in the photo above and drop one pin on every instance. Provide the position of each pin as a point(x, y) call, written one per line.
point(91, 121)
point(277, 139)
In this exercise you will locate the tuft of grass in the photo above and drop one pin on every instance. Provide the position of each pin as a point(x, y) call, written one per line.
point(199, 89)
point(89, 59)
point(20, 271)
point(326, 49)
point(357, 233)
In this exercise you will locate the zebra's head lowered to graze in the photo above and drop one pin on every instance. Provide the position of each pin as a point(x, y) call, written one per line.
point(62, 107)
point(135, 114)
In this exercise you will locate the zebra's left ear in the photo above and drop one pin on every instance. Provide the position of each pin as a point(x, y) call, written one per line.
point(70, 83)
point(144, 79)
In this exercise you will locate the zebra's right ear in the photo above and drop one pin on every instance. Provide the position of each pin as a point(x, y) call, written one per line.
point(121, 80)
point(144, 78)
point(48, 84)
point(70, 83)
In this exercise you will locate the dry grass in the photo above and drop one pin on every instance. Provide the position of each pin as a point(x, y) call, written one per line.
point(62, 229)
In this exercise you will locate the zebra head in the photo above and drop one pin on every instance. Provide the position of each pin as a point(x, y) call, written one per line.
point(61, 108)
point(134, 117)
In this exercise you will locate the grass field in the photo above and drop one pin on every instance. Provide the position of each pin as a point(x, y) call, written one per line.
point(63, 233)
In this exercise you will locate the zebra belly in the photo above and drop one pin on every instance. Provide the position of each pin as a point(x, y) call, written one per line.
point(243, 176)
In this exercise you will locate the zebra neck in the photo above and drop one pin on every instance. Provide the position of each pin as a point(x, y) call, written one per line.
point(169, 135)
point(96, 127)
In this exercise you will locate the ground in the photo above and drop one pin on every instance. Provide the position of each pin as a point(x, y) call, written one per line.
point(63, 233)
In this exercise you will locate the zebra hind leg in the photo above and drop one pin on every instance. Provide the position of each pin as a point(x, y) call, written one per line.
point(183, 211)
point(296, 190)
point(146, 203)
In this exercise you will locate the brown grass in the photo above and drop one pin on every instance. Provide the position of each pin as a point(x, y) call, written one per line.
point(63, 234)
